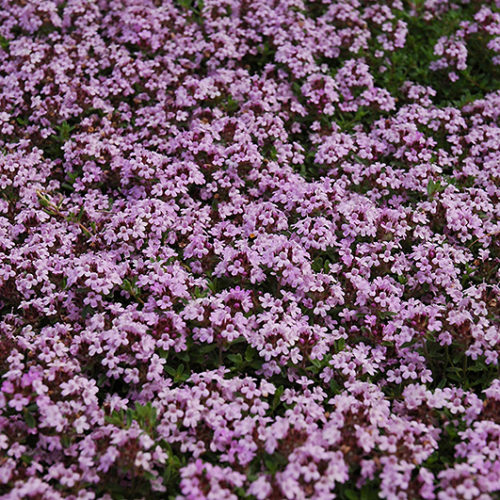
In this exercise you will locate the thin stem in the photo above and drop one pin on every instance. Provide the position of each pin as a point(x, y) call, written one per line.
point(52, 209)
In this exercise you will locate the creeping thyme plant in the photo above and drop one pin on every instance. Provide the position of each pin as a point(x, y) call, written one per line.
point(249, 249)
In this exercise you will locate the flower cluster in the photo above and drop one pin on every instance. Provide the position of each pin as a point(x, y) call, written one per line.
point(249, 249)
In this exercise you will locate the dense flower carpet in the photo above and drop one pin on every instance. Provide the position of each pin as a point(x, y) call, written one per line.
point(249, 249)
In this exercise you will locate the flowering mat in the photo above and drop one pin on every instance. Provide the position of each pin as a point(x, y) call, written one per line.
point(249, 249)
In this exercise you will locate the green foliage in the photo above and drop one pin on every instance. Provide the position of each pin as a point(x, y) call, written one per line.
point(274, 462)
point(444, 456)
point(64, 131)
point(238, 356)
point(29, 414)
point(413, 60)
point(434, 187)
point(450, 366)
point(178, 374)
point(369, 491)
point(144, 415)
point(265, 55)
point(53, 146)
point(231, 105)
point(193, 7)
point(4, 43)
point(130, 286)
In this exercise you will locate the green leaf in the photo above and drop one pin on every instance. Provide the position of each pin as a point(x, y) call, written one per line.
point(87, 311)
point(238, 340)
point(249, 354)
point(237, 359)
point(430, 187)
point(273, 153)
point(183, 356)
point(64, 131)
point(409, 344)
point(335, 387)
point(129, 417)
point(274, 462)
point(116, 418)
point(339, 345)
point(101, 379)
point(148, 475)
point(65, 441)
point(200, 293)
point(170, 370)
point(477, 367)
point(29, 419)
point(26, 459)
point(205, 349)
point(296, 88)
point(434, 187)
point(369, 493)
point(317, 264)
point(4, 43)
point(277, 397)
point(351, 495)
point(231, 104)
point(256, 363)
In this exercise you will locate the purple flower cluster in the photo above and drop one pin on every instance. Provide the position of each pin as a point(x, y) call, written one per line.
point(235, 263)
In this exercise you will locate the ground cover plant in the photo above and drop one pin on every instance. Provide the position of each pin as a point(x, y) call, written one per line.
point(249, 249)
